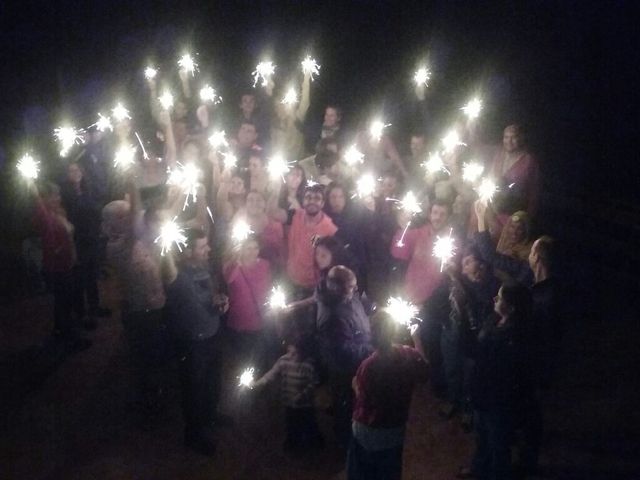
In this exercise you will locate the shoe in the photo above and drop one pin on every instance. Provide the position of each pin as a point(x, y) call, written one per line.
point(223, 421)
point(202, 443)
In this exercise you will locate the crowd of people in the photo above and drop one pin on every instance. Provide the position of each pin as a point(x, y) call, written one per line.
point(488, 329)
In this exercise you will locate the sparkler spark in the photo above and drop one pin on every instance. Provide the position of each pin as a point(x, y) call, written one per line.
point(410, 204)
point(187, 64)
point(290, 98)
point(366, 185)
point(487, 189)
point(376, 128)
point(264, 71)
point(422, 76)
point(471, 172)
point(277, 167)
point(401, 311)
point(277, 300)
point(472, 108)
point(68, 137)
point(166, 100)
point(103, 123)
point(230, 161)
point(120, 113)
point(451, 141)
point(218, 139)
point(310, 67)
point(186, 177)
point(353, 156)
point(125, 157)
point(435, 164)
point(444, 249)
point(171, 233)
point(208, 94)
point(240, 231)
point(150, 73)
point(28, 167)
point(246, 378)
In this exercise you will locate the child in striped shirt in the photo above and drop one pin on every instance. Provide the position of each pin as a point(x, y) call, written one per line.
point(298, 380)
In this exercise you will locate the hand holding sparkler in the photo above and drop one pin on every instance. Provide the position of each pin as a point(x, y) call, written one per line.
point(166, 100)
point(421, 78)
point(353, 156)
point(263, 72)
point(247, 378)
point(403, 313)
point(277, 300)
point(240, 231)
point(28, 167)
point(150, 73)
point(277, 167)
point(187, 65)
point(310, 67)
point(171, 234)
point(209, 95)
point(120, 113)
point(68, 137)
point(472, 108)
point(444, 249)
point(487, 189)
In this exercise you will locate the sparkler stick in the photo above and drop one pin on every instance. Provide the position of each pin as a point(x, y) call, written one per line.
point(166, 100)
point(240, 231)
point(210, 215)
point(486, 190)
point(171, 233)
point(277, 300)
point(246, 378)
point(353, 156)
point(28, 167)
point(471, 172)
point(310, 67)
point(144, 152)
point(218, 139)
point(472, 108)
point(68, 137)
point(264, 71)
point(120, 113)
point(187, 64)
point(290, 98)
point(277, 167)
point(422, 76)
point(208, 94)
point(401, 311)
point(125, 157)
point(150, 73)
point(444, 249)
point(400, 242)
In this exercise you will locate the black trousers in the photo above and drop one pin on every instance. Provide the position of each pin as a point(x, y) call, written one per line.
point(85, 276)
point(302, 427)
point(62, 285)
point(200, 371)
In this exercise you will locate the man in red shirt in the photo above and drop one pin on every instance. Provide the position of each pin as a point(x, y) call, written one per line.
point(383, 389)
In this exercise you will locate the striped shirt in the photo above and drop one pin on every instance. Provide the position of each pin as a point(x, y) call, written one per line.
point(297, 380)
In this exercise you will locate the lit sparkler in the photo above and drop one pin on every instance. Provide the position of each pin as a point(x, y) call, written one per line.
point(451, 141)
point(277, 167)
point(103, 124)
point(230, 161)
point(246, 378)
point(218, 139)
point(444, 248)
point(28, 167)
point(150, 73)
point(278, 299)
point(125, 157)
point(290, 98)
point(188, 64)
point(264, 71)
point(487, 189)
point(376, 128)
point(68, 137)
point(353, 156)
point(120, 113)
point(435, 164)
point(310, 67)
point(422, 76)
point(240, 231)
point(472, 108)
point(401, 311)
point(366, 185)
point(209, 94)
point(471, 172)
point(186, 177)
point(166, 100)
point(410, 204)
point(171, 234)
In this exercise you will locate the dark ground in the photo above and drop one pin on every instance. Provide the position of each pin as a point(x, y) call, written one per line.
point(71, 418)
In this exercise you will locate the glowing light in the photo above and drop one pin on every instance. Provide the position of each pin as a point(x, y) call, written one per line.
point(401, 311)
point(264, 71)
point(150, 73)
point(472, 108)
point(120, 113)
point(171, 234)
point(28, 167)
point(186, 177)
point(435, 164)
point(246, 378)
point(125, 157)
point(208, 94)
point(366, 185)
point(187, 64)
point(376, 128)
point(278, 299)
point(103, 124)
point(451, 140)
point(240, 231)
point(230, 161)
point(310, 67)
point(353, 156)
point(444, 248)
point(471, 172)
point(68, 137)
point(487, 189)
point(218, 139)
point(410, 204)
point(290, 98)
point(277, 167)
point(166, 100)
point(144, 152)
point(422, 76)
point(400, 242)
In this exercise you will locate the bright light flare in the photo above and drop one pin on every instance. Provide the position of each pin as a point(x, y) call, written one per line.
point(230, 161)
point(240, 231)
point(472, 108)
point(120, 113)
point(376, 128)
point(209, 94)
point(472, 171)
point(310, 67)
point(103, 124)
point(435, 164)
point(246, 378)
point(410, 204)
point(487, 189)
point(291, 97)
point(125, 157)
point(171, 234)
point(166, 100)
point(277, 300)
point(353, 156)
point(422, 76)
point(68, 137)
point(188, 64)
point(187, 177)
point(451, 140)
point(277, 167)
point(28, 167)
point(366, 185)
point(218, 139)
point(444, 248)
point(401, 311)
point(150, 73)
point(263, 71)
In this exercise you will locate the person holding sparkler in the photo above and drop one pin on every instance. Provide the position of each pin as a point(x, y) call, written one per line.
point(291, 193)
point(193, 315)
point(232, 193)
point(245, 142)
point(331, 125)
point(379, 151)
point(383, 386)
point(310, 164)
point(250, 111)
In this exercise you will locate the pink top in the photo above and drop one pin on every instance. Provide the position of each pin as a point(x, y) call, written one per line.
point(248, 290)
point(423, 272)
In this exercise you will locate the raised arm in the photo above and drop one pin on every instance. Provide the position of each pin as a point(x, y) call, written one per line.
point(305, 98)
